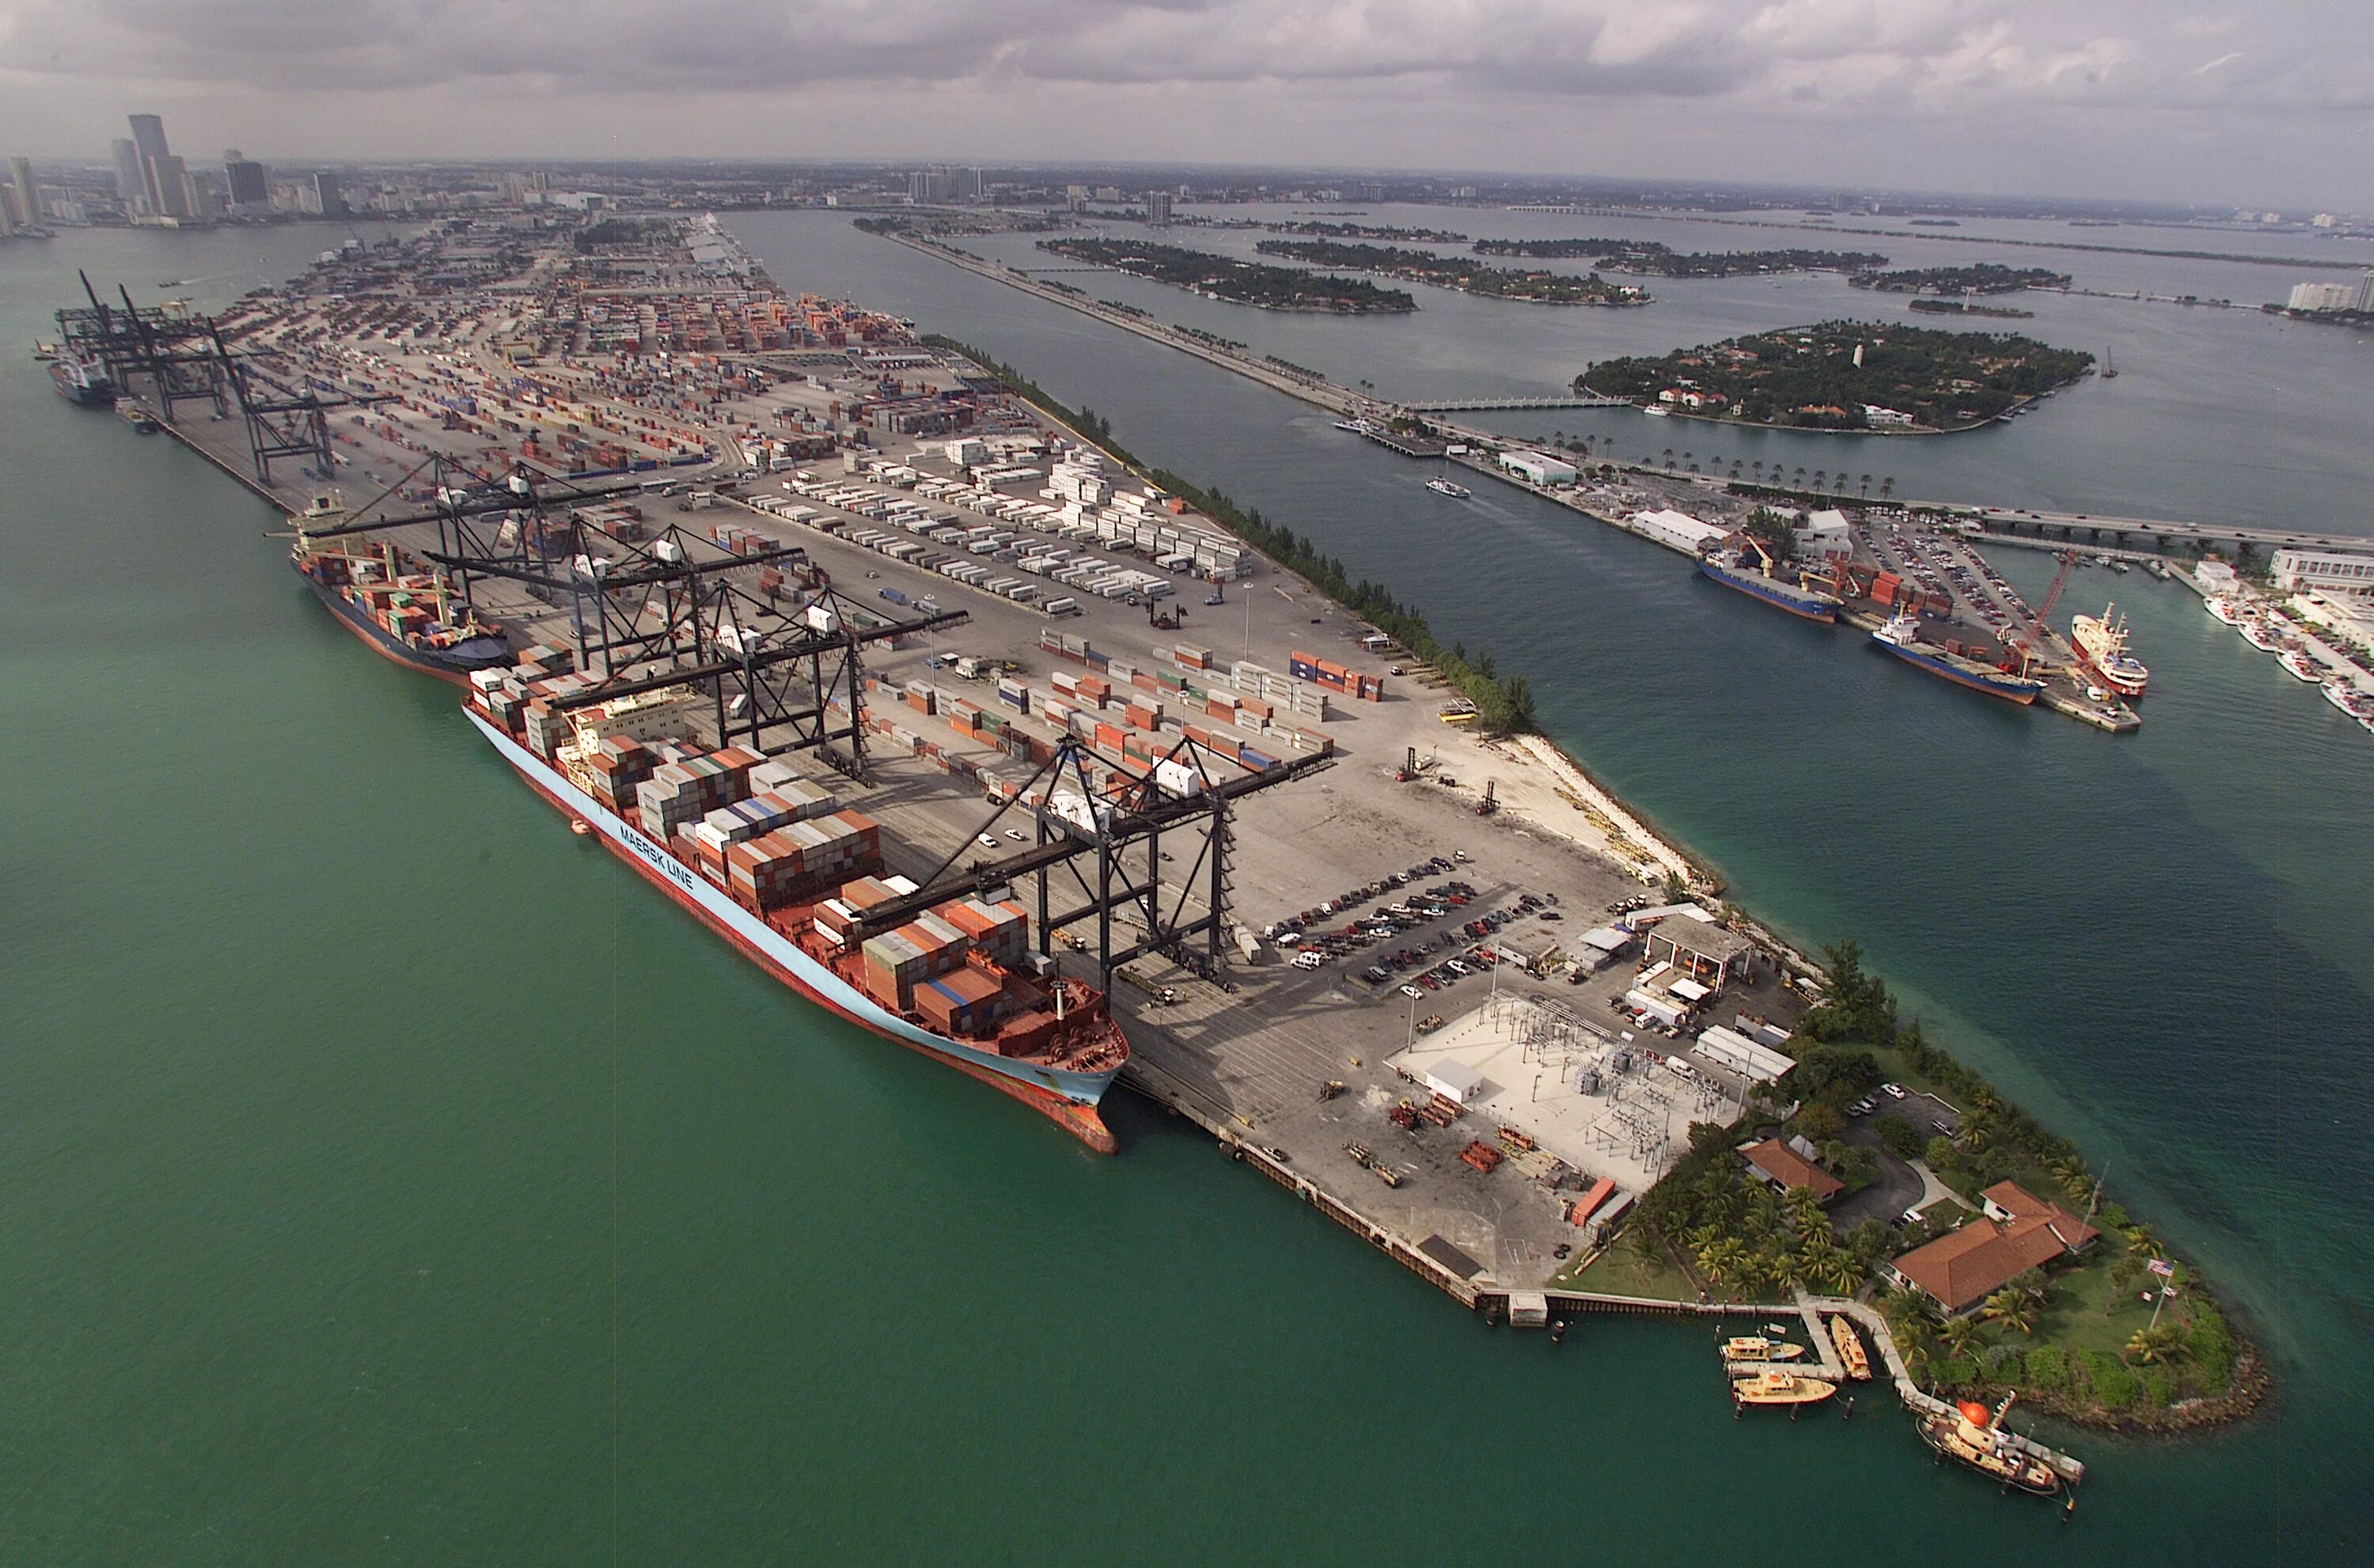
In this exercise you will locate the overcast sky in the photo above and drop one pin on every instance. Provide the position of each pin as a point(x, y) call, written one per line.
point(2270, 103)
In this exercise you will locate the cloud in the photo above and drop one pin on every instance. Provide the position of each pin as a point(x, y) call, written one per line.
point(1900, 73)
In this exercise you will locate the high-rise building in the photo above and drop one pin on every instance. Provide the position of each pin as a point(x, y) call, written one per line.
point(251, 184)
point(131, 185)
point(1157, 206)
point(168, 187)
point(20, 185)
point(148, 137)
point(323, 191)
point(970, 186)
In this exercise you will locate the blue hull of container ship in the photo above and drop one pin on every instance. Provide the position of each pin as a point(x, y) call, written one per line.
point(1805, 606)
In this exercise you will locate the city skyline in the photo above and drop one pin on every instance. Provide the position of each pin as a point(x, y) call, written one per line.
point(2009, 96)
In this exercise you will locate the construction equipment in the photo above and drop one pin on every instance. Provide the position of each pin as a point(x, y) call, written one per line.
point(1491, 801)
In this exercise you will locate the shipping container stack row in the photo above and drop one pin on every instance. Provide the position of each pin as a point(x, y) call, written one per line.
point(1336, 677)
point(1248, 718)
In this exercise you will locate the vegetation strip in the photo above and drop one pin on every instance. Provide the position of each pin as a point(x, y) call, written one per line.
point(1985, 277)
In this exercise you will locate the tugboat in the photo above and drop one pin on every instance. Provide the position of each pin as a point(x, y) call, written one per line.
point(1780, 1388)
point(2101, 643)
point(1971, 1434)
point(1755, 1347)
point(1851, 1351)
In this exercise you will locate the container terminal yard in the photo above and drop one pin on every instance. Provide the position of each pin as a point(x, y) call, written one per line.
point(950, 723)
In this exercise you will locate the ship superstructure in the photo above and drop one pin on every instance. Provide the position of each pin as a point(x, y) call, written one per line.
point(2101, 644)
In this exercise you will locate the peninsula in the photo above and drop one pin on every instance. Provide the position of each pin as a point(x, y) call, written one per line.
point(1242, 283)
point(1461, 273)
point(1852, 376)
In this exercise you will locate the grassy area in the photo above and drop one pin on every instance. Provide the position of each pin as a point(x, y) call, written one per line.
point(2073, 1316)
point(1621, 1270)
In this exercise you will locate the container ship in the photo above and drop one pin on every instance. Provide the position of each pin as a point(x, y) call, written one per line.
point(1732, 572)
point(412, 618)
point(768, 860)
point(1901, 636)
point(2101, 644)
point(81, 381)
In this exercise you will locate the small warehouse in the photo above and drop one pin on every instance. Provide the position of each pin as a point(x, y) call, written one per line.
point(1452, 1079)
point(1708, 953)
point(1539, 467)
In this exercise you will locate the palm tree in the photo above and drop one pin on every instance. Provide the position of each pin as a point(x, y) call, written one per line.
point(2142, 1239)
point(2012, 1309)
point(2161, 1342)
point(1887, 486)
point(1801, 478)
point(1832, 1270)
point(1961, 1336)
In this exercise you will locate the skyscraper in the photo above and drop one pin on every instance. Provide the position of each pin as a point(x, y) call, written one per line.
point(322, 195)
point(251, 186)
point(169, 186)
point(20, 187)
point(149, 139)
point(130, 183)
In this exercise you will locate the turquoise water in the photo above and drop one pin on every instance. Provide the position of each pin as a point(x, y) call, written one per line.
point(392, 1177)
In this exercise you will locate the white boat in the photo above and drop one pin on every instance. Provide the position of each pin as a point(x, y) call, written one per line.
point(2303, 667)
point(2259, 635)
point(2342, 696)
point(1446, 487)
point(1653, 411)
point(2101, 644)
point(2223, 610)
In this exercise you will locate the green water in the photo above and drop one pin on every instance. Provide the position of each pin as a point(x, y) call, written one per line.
point(391, 1176)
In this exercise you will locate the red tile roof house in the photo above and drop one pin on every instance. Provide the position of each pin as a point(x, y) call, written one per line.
point(2018, 1232)
point(1785, 1168)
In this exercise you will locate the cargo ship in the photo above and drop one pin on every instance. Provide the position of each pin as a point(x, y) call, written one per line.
point(81, 381)
point(758, 855)
point(412, 618)
point(1971, 1434)
point(1901, 636)
point(1732, 572)
point(2101, 644)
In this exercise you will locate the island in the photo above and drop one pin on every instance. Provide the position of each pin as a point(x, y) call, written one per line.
point(1462, 272)
point(1927, 305)
point(1647, 258)
point(1369, 232)
point(1846, 376)
point(1242, 283)
point(1985, 277)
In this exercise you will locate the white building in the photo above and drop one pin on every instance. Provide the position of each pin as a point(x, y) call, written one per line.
point(2324, 296)
point(2217, 579)
point(1677, 531)
point(1873, 414)
point(1539, 467)
point(2324, 571)
point(1824, 532)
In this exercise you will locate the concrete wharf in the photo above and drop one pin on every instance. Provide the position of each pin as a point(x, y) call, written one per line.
point(1487, 404)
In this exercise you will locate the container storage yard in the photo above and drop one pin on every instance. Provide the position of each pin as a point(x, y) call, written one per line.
point(958, 727)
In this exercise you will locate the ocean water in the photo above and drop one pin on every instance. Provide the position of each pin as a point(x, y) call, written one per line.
point(391, 1178)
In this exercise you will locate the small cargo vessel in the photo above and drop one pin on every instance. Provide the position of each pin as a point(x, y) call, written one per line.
point(2101, 644)
point(1851, 1352)
point(1901, 636)
point(1755, 1347)
point(83, 382)
point(412, 618)
point(768, 860)
point(1733, 572)
point(1780, 1389)
point(1442, 487)
point(1971, 1434)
